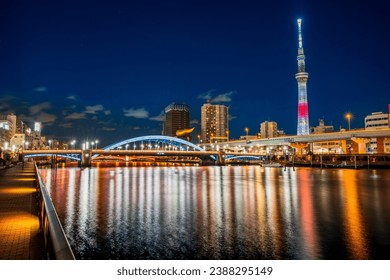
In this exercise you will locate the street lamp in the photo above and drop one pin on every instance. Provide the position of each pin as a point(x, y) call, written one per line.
point(246, 131)
point(348, 116)
point(50, 143)
point(72, 143)
point(96, 142)
point(227, 135)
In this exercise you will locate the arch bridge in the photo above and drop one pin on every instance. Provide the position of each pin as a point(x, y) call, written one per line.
point(145, 146)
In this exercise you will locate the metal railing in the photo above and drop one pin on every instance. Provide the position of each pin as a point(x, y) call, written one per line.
point(56, 244)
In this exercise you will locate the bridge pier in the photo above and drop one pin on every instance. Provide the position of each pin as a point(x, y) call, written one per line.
point(299, 147)
point(221, 158)
point(86, 158)
point(361, 144)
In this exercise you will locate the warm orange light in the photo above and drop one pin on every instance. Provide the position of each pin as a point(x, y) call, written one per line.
point(18, 190)
point(26, 179)
point(356, 236)
point(348, 116)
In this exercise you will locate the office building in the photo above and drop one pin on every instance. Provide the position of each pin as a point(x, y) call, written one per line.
point(177, 120)
point(377, 120)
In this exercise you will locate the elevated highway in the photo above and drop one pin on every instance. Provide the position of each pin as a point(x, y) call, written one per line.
point(312, 138)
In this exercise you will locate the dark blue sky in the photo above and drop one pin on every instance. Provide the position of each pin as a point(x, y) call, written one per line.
point(107, 69)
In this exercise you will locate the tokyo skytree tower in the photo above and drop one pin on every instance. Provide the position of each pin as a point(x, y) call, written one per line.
point(302, 76)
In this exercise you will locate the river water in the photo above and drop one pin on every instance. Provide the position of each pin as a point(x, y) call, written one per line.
point(229, 212)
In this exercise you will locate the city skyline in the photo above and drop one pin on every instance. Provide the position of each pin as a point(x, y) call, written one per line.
point(89, 70)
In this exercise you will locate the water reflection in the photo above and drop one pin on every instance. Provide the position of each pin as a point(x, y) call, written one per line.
point(354, 231)
point(227, 212)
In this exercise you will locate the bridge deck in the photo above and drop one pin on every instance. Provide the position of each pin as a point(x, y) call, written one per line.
point(19, 224)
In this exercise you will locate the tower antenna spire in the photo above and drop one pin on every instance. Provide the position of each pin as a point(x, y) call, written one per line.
point(299, 33)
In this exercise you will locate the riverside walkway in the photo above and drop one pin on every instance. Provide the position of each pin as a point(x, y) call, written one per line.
point(20, 238)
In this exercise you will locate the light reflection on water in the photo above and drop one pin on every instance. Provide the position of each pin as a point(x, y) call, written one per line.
point(243, 212)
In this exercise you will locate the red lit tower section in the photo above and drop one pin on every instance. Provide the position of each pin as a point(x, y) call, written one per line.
point(302, 76)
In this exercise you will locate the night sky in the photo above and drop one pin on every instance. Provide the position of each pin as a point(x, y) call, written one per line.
point(107, 69)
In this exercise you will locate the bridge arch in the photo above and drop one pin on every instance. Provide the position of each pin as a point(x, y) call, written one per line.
point(153, 142)
point(56, 155)
point(243, 157)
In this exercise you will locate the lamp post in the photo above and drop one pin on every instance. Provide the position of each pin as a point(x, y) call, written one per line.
point(227, 135)
point(73, 143)
point(348, 116)
point(246, 131)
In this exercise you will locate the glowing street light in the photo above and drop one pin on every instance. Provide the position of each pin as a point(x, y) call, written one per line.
point(73, 143)
point(348, 116)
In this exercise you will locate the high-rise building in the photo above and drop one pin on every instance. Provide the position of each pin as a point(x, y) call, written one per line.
point(302, 77)
point(5, 133)
point(214, 123)
point(177, 118)
point(12, 119)
point(268, 129)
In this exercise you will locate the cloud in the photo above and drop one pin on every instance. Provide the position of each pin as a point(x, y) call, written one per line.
point(71, 97)
point(159, 118)
point(108, 128)
point(207, 94)
point(223, 98)
point(139, 113)
point(107, 112)
point(45, 118)
point(40, 89)
point(66, 125)
point(4, 106)
point(231, 117)
point(75, 116)
point(94, 109)
point(26, 118)
point(39, 108)
point(194, 122)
